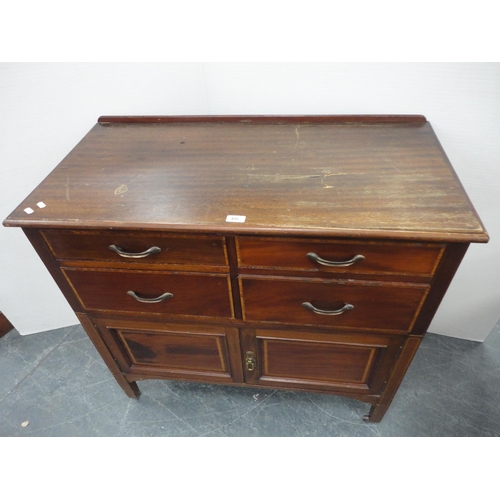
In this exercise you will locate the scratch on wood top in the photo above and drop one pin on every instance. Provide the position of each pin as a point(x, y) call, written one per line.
point(282, 177)
point(297, 134)
point(121, 189)
point(67, 188)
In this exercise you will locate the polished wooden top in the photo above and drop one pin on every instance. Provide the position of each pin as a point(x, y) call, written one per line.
point(347, 176)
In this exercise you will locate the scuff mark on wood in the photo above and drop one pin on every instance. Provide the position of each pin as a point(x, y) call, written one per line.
point(282, 177)
point(297, 134)
point(121, 189)
point(67, 188)
point(326, 185)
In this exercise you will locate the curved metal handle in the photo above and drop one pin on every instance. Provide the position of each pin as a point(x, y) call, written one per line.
point(161, 298)
point(316, 258)
point(310, 307)
point(139, 255)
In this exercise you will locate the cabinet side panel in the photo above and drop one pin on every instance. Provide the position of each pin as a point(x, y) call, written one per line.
point(130, 388)
point(447, 268)
point(400, 368)
point(52, 266)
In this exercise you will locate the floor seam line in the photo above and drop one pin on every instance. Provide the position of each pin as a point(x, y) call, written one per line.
point(33, 370)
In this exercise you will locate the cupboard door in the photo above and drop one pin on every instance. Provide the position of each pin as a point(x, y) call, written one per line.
point(183, 351)
point(355, 363)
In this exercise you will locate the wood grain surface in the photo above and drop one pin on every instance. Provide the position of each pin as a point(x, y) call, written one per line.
point(313, 175)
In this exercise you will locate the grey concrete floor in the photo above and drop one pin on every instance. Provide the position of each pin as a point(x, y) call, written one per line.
point(58, 383)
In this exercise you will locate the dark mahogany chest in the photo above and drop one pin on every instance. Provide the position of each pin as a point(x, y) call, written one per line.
point(305, 253)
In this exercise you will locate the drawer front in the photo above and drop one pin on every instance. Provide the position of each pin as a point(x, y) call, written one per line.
point(133, 248)
point(187, 351)
point(355, 362)
point(360, 305)
point(339, 256)
point(191, 294)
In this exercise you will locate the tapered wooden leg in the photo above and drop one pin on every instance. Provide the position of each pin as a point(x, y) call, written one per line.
point(131, 389)
point(376, 414)
point(378, 410)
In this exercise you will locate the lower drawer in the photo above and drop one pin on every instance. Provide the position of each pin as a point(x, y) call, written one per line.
point(357, 305)
point(182, 351)
point(175, 294)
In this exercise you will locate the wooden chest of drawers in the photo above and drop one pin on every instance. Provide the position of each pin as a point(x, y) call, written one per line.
point(305, 253)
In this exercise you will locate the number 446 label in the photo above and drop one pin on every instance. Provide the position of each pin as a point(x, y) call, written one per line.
point(236, 218)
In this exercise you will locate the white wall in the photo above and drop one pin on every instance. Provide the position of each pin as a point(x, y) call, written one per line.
point(45, 109)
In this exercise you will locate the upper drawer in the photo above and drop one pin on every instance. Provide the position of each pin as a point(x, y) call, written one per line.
point(134, 248)
point(336, 256)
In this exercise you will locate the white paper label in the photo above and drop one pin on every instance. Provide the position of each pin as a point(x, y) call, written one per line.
point(29, 210)
point(236, 218)
point(41, 204)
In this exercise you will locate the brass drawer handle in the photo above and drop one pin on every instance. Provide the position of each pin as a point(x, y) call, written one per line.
point(161, 298)
point(250, 361)
point(139, 255)
point(346, 263)
point(310, 307)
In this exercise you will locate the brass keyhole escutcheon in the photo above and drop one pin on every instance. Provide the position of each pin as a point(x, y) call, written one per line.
point(250, 361)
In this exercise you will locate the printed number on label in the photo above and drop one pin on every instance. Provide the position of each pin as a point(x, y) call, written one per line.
point(236, 218)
